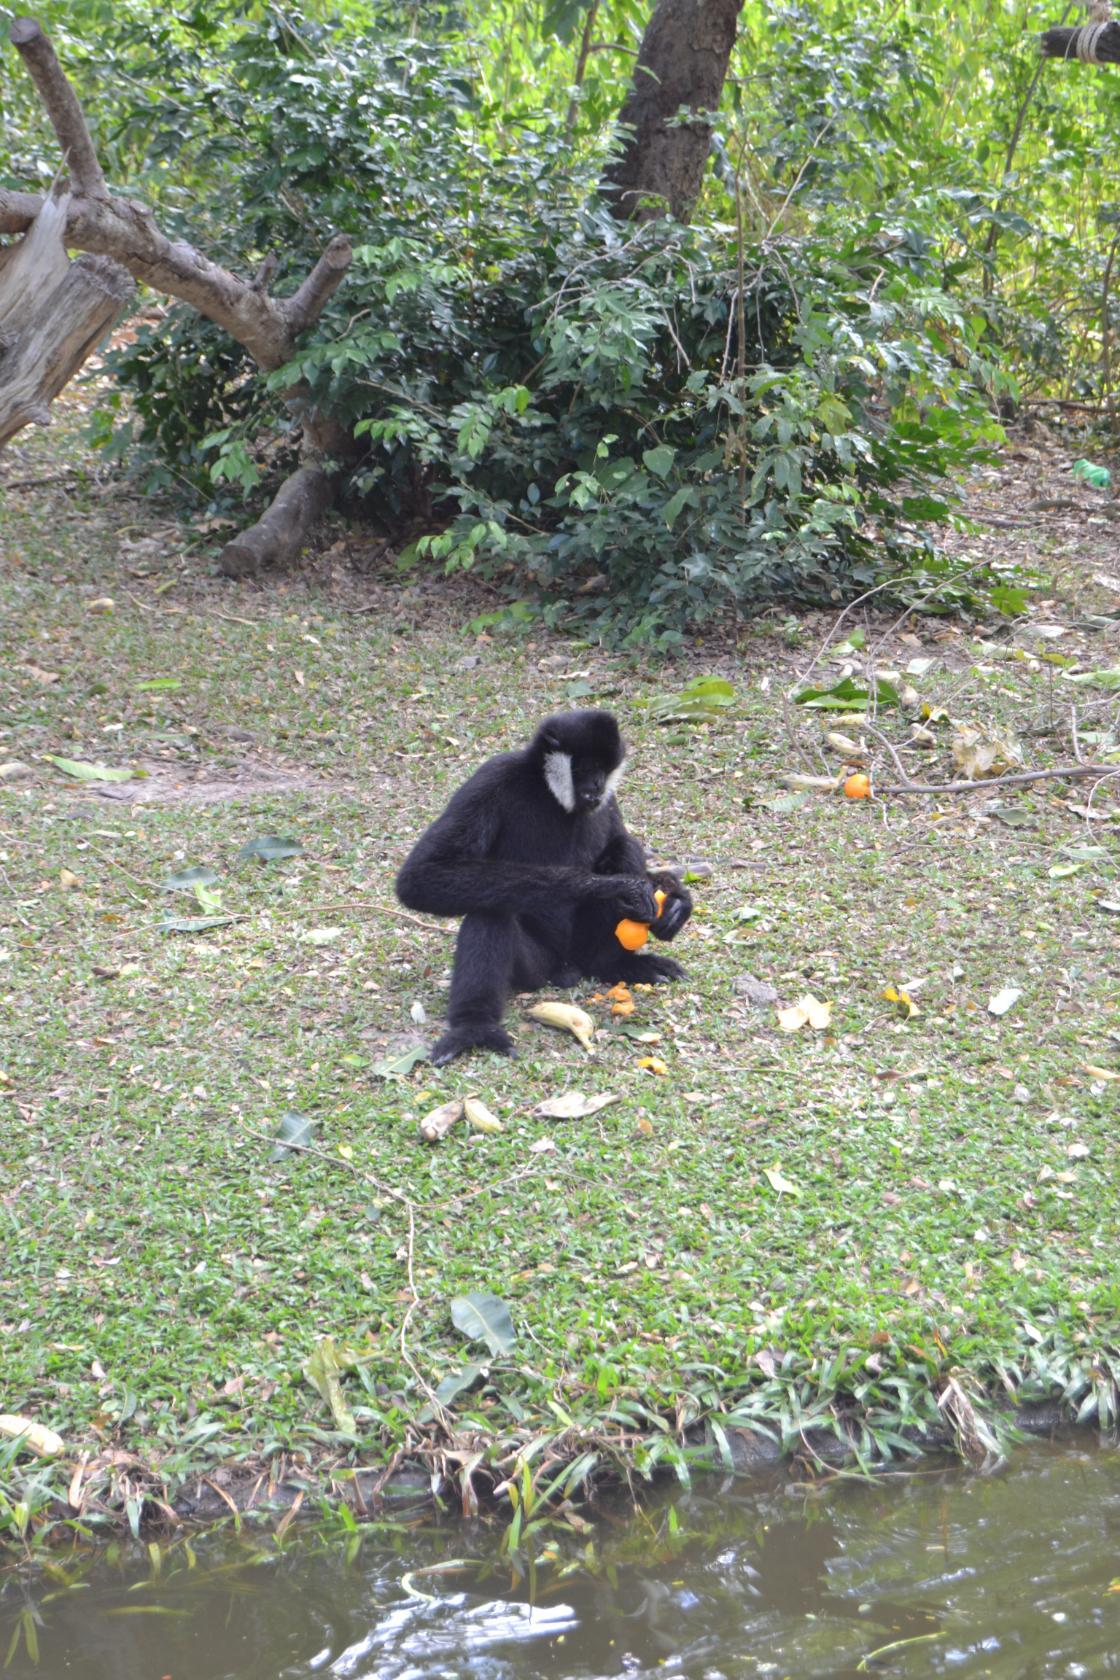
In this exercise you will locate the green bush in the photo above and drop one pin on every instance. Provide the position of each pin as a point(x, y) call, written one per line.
point(584, 409)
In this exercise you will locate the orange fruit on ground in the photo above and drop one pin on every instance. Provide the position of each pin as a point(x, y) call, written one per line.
point(857, 786)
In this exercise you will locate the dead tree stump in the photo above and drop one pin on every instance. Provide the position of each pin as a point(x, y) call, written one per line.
point(53, 314)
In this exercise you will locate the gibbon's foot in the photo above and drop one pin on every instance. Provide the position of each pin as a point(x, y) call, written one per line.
point(456, 1040)
point(639, 969)
point(660, 968)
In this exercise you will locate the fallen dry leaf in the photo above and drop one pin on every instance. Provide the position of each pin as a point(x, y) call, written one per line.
point(779, 1182)
point(807, 1011)
point(573, 1105)
point(978, 755)
point(907, 1008)
point(808, 784)
point(1004, 1000)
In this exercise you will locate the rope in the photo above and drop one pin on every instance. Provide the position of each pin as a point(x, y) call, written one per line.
point(1085, 42)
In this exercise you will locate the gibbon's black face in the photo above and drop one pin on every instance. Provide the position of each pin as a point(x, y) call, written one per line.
point(582, 757)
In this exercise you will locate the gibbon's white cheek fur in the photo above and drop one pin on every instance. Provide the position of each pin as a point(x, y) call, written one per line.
point(558, 776)
point(612, 782)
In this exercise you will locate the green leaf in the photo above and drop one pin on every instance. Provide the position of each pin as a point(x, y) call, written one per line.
point(186, 880)
point(208, 898)
point(395, 1067)
point(782, 803)
point(458, 1382)
point(561, 18)
point(684, 497)
point(925, 507)
point(483, 1318)
point(700, 701)
point(323, 1369)
point(193, 924)
point(294, 1129)
point(1005, 598)
point(658, 460)
point(270, 847)
point(1012, 816)
point(848, 696)
point(87, 772)
point(1108, 679)
point(152, 684)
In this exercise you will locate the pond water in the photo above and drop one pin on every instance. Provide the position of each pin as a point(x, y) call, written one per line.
point(935, 1572)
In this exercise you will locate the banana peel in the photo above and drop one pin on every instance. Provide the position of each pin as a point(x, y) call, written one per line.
point(567, 1018)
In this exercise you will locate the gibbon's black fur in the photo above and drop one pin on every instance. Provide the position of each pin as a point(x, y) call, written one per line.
point(533, 853)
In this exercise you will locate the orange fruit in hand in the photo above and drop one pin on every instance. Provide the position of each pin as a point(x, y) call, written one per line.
point(857, 786)
point(633, 935)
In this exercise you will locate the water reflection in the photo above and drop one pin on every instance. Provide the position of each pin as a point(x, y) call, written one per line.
point(1015, 1576)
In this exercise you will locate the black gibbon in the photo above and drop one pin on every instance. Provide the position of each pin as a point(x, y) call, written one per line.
point(533, 853)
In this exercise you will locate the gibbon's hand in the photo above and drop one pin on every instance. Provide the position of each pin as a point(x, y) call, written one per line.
point(677, 907)
point(632, 896)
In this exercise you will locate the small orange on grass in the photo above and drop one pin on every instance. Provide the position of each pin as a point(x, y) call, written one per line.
point(858, 786)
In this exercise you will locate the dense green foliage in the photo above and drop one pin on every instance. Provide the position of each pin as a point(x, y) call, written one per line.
point(595, 414)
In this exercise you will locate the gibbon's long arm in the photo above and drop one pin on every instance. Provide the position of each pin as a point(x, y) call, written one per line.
point(451, 870)
point(622, 854)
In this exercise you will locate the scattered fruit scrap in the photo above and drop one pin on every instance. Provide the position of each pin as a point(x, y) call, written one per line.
point(567, 1018)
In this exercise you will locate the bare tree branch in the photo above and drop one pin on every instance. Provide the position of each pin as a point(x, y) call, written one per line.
point(1021, 778)
point(61, 105)
point(306, 305)
point(127, 231)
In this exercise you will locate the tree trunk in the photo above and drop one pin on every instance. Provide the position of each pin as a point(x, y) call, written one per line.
point(53, 315)
point(682, 66)
point(281, 532)
point(60, 316)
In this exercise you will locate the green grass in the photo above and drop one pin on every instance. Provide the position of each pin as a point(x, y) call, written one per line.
point(164, 1279)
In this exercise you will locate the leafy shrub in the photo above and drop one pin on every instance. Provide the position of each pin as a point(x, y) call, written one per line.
point(593, 410)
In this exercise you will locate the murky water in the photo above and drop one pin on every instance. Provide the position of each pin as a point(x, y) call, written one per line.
point(935, 1573)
